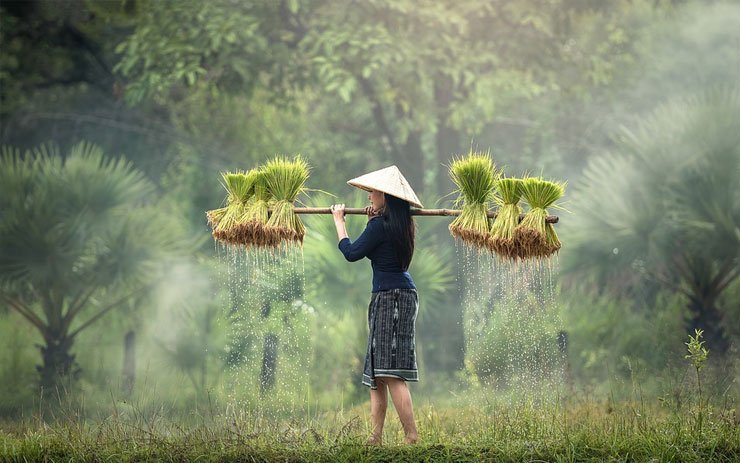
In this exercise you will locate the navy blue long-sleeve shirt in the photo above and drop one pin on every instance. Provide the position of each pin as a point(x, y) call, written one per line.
point(375, 244)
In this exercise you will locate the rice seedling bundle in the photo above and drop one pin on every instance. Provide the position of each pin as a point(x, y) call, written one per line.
point(253, 223)
point(475, 176)
point(533, 236)
point(226, 220)
point(215, 216)
point(285, 179)
point(501, 239)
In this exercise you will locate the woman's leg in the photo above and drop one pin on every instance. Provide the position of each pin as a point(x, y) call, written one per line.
point(378, 406)
point(402, 401)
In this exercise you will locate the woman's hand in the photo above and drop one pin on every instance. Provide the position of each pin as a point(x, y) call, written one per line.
point(371, 213)
point(337, 210)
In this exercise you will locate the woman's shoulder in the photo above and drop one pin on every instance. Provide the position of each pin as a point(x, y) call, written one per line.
point(375, 225)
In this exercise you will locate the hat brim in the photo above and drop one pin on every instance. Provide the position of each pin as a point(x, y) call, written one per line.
point(368, 189)
point(390, 181)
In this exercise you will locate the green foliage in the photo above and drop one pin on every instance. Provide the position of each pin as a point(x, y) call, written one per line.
point(71, 54)
point(514, 345)
point(213, 44)
point(405, 74)
point(187, 337)
point(79, 238)
point(66, 208)
point(698, 357)
point(697, 354)
point(17, 355)
point(211, 80)
point(609, 337)
point(673, 217)
point(272, 310)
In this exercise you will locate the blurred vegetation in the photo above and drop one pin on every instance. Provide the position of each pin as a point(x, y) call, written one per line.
point(106, 263)
point(78, 240)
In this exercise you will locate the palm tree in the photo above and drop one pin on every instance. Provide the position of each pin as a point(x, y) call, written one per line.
point(78, 239)
point(664, 212)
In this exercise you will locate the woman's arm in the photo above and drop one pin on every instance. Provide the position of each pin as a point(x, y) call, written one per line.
point(337, 211)
point(365, 243)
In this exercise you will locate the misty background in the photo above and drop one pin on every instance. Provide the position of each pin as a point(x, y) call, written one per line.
point(117, 118)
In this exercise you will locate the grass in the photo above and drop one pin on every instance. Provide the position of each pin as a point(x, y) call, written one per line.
point(578, 431)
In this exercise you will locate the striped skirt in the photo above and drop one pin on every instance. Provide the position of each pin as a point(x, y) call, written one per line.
point(391, 343)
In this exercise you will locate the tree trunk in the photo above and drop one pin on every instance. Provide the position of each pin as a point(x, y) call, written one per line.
point(129, 362)
point(269, 354)
point(58, 367)
point(269, 362)
point(565, 361)
point(412, 162)
point(705, 316)
point(447, 139)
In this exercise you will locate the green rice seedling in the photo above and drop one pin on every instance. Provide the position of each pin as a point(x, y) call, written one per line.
point(501, 239)
point(553, 242)
point(533, 236)
point(285, 180)
point(214, 216)
point(475, 176)
point(240, 188)
point(241, 232)
point(256, 215)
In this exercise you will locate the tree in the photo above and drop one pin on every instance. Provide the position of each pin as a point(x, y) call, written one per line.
point(428, 75)
point(665, 208)
point(79, 238)
point(57, 82)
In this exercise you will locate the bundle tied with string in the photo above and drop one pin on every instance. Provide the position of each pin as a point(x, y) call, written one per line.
point(501, 239)
point(533, 236)
point(225, 222)
point(475, 176)
point(285, 180)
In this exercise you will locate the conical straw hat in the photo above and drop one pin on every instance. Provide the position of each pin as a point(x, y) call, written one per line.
point(389, 180)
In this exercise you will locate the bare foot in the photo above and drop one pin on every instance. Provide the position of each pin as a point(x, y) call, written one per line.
point(374, 440)
point(410, 440)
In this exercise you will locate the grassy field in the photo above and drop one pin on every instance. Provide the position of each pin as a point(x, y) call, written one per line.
point(583, 431)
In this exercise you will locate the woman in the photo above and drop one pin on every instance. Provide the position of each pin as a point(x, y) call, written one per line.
point(388, 241)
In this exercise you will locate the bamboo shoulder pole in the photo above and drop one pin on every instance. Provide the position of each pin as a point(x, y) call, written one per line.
point(414, 211)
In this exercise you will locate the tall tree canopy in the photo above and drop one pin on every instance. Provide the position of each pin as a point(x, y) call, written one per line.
point(431, 73)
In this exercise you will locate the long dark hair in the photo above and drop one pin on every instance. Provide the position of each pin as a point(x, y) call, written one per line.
point(400, 227)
